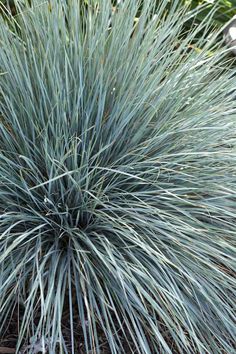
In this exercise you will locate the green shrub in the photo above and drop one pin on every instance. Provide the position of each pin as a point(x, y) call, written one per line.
point(224, 10)
point(117, 181)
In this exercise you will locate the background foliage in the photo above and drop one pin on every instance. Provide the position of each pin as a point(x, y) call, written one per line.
point(225, 8)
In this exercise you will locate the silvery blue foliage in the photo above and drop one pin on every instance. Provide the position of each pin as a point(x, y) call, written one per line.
point(117, 180)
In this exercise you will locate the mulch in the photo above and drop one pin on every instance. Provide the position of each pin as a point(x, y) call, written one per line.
point(8, 341)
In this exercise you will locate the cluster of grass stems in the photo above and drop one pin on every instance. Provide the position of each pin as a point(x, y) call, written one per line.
point(117, 179)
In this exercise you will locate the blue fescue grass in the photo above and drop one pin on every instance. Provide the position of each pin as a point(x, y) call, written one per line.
point(117, 179)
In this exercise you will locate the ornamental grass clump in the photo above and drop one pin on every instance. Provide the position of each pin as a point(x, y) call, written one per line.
point(117, 181)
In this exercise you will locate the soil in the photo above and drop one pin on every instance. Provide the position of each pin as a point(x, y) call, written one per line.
point(8, 341)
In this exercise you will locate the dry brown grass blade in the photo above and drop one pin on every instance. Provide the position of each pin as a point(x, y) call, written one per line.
point(6, 350)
